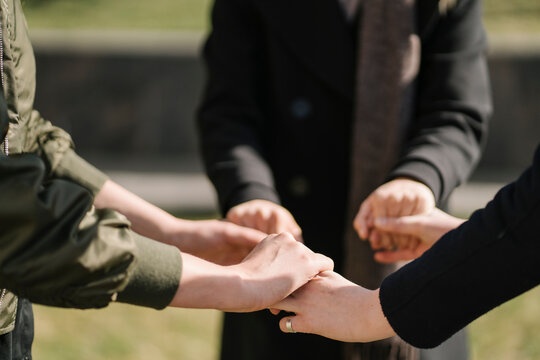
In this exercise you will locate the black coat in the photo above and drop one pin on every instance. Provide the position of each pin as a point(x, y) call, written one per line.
point(276, 117)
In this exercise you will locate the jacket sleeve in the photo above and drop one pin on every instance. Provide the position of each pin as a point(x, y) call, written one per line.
point(453, 104)
point(51, 143)
point(56, 149)
point(230, 120)
point(56, 249)
point(488, 260)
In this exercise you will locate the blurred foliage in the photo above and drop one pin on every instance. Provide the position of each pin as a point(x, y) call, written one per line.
point(500, 15)
point(507, 16)
point(118, 14)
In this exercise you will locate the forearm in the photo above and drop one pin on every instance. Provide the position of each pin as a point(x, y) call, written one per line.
point(146, 219)
point(205, 285)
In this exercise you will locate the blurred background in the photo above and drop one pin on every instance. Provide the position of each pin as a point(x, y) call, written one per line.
point(124, 78)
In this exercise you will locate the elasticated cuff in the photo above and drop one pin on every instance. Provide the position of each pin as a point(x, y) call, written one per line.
point(156, 276)
point(423, 172)
point(78, 170)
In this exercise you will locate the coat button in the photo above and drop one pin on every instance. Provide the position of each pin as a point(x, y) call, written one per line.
point(299, 186)
point(301, 108)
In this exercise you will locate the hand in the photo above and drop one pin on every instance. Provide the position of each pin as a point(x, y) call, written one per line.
point(272, 271)
point(265, 216)
point(336, 308)
point(428, 228)
point(220, 242)
point(399, 197)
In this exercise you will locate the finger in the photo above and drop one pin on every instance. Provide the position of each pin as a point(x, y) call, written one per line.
point(273, 223)
point(296, 323)
point(322, 263)
point(380, 209)
point(388, 240)
point(245, 236)
point(285, 223)
point(388, 257)
point(249, 219)
point(361, 220)
point(426, 202)
point(401, 241)
point(289, 304)
point(385, 240)
point(375, 240)
point(413, 243)
point(262, 218)
point(297, 233)
point(233, 216)
point(393, 206)
point(408, 205)
point(406, 225)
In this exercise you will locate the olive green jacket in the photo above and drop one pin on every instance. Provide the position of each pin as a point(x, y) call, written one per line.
point(55, 247)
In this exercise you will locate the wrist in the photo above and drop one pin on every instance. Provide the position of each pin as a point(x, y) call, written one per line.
point(242, 289)
point(179, 232)
point(375, 320)
point(379, 325)
point(202, 280)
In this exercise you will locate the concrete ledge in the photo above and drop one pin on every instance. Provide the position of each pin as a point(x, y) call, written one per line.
point(472, 196)
point(183, 43)
point(193, 194)
point(118, 42)
point(520, 45)
point(174, 192)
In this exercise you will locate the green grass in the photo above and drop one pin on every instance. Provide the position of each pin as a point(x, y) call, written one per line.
point(500, 15)
point(510, 332)
point(121, 332)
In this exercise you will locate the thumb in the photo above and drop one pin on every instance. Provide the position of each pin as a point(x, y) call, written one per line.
point(390, 257)
point(249, 236)
point(298, 236)
point(361, 223)
point(406, 225)
point(296, 323)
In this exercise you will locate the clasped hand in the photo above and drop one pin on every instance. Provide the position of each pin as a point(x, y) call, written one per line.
point(397, 198)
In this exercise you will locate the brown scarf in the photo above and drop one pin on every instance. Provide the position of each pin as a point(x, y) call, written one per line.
point(387, 67)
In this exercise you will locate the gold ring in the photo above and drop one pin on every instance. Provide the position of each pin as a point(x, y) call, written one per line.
point(288, 326)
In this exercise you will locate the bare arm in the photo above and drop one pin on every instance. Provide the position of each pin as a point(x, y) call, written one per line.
point(213, 240)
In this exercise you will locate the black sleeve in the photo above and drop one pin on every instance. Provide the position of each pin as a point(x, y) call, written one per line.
point(453, 104)
point(230, 120)
point(488, 260)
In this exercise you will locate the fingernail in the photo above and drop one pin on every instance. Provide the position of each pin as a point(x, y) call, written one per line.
point(380, 221)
